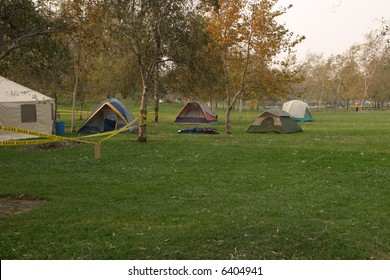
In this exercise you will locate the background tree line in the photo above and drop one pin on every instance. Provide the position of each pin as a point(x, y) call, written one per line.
point(361, 74)
point(216, 51)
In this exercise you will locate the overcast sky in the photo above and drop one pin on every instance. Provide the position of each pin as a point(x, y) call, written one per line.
point(332, 26)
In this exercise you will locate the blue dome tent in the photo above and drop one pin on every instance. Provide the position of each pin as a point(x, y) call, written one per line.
point(109, 115)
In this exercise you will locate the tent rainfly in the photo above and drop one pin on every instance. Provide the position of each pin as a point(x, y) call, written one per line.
point(196, 113)
point(299, 110)
point(109, 115)
point(24, 108)
point(274, 121)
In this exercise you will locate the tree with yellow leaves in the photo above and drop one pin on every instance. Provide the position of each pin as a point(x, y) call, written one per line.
point(248, 37)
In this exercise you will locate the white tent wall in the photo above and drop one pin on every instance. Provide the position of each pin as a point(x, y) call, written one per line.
point(295, 108)
point(10, 115)
point(24, 108)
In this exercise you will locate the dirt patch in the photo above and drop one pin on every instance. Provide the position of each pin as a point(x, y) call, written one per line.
point(12, 205)
point(51, 145)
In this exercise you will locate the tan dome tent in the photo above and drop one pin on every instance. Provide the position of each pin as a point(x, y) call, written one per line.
point(274, 121)
point(24, 108)
point(299, 110)
point(196, 112)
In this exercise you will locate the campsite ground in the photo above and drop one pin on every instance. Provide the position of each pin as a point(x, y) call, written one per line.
point(321, 194)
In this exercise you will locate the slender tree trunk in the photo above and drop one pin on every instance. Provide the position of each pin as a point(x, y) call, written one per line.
point(76, 84)
point(227, 90)
point(143, 114)
point(228, 110)
point(228, 121)
point(319, 101)
point(365, 92)
point(82, 103)
point(147, 79)
point(72, 126)
point(242, 87)
point(337, 94)
point(156, 95)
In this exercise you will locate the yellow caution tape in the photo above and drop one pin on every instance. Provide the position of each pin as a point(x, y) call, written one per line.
point(51, 138)
point(115, 132)
point(110, 133)
point(55, 138)
point(100, 134)
point(69, 112)
point(25, 142)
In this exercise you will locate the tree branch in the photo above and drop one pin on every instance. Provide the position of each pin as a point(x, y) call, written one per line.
point(8, 46)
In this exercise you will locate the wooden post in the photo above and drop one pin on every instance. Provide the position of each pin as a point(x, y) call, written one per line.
point(97, 150)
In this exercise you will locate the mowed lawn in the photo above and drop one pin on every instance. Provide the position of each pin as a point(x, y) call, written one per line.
point(320, 194)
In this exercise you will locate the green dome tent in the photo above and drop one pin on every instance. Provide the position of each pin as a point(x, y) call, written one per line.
point(274, 121)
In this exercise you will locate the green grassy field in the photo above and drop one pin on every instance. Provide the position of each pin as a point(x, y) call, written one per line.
point(321, 194)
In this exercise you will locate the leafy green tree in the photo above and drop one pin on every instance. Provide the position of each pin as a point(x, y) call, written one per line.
point(151, 30)
point(30, 49)
point(23, 20)
point(196, 71)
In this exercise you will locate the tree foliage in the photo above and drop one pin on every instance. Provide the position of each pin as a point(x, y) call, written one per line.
point(30, 49)
point(248, 37)
point(22, 22)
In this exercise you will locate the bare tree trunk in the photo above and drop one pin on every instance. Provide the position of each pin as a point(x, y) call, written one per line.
point(228, 110)
point(147, 79)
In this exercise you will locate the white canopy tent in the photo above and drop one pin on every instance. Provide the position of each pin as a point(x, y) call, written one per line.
point(24, 108)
